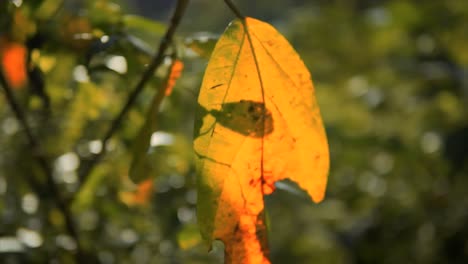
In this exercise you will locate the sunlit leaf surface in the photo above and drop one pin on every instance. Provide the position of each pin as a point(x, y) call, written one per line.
point(258, 122)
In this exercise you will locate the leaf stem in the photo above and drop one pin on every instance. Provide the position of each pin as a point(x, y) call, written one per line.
point(41, 160)
point(234, 9)
point(146, 76)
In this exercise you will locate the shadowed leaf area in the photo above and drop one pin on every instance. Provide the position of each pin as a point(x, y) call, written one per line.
point(245, 117)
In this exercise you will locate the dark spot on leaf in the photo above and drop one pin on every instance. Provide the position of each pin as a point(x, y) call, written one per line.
point(251, 182)
point(246, 117)
point(216, 86)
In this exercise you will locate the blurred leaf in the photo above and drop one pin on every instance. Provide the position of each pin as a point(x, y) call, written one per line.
point(47, 9)
point(189, 237)
point(13, 57)
point(134, 23)
point(105, 13)
point(87, 193)
point(260, 123)
point(143, 33)
point(23, 25)
point(77, 32)
point(141, 196)
point(140, 45)
point(174, 74)
point(202, 45)
point(140, 168)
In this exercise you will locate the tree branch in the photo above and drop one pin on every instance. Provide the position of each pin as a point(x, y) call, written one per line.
point(234, 9)
point(147, 75)
point(44, 165)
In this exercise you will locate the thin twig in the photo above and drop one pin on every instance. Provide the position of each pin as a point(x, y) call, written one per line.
point(147, 75)
point(33, 182)
point(19, 114)
point(234, 9)
point(41, 160)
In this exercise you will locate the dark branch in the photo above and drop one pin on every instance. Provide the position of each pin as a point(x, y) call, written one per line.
point(234, 9)
point(147, 75)
point(19, 114)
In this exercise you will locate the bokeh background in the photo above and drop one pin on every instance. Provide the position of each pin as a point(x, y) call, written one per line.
point(391, 79)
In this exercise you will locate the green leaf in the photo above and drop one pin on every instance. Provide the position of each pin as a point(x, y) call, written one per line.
point(143, 33)
point(189, 237)
point(87, 193)
point(140, 45)
point(141, 167)
point(201, 45)
point(138, 25)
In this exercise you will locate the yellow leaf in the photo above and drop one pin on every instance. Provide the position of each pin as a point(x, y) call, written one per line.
point(174, 74)
point(258, 122)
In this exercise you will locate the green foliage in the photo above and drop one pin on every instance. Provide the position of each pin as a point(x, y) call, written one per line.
point(390, 79)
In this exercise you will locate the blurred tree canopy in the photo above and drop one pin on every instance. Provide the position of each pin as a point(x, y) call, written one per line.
point(391, 79)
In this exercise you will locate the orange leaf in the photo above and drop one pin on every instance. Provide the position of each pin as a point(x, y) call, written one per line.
point(140, 196)
point(13, 62)
point(174, 74)
point(258, 122)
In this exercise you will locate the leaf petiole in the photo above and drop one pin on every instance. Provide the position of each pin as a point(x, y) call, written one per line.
point(234, 9)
